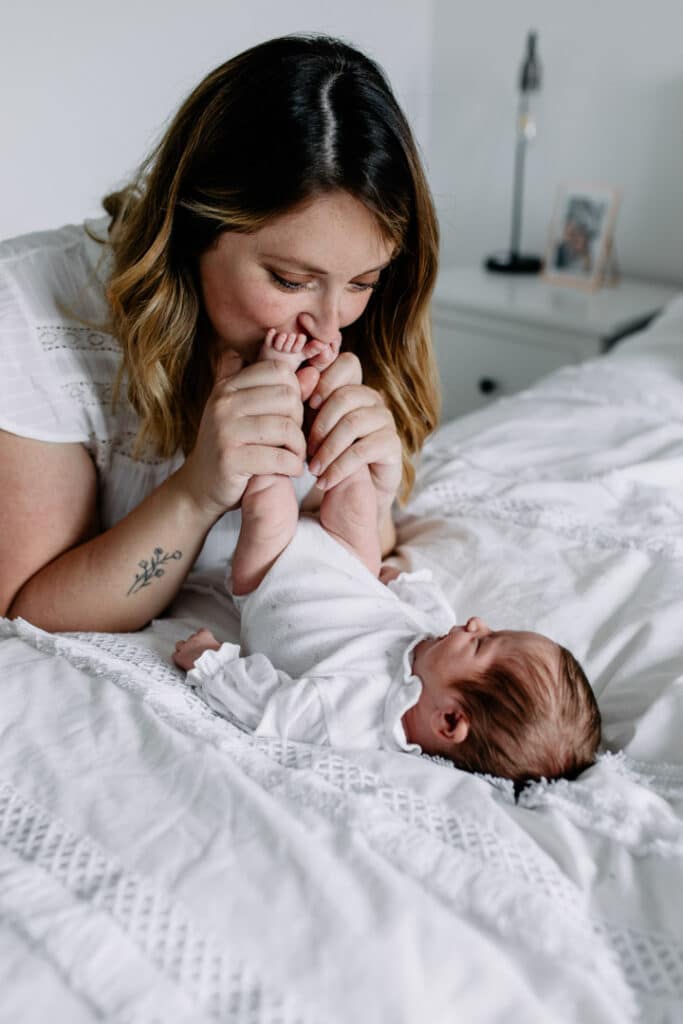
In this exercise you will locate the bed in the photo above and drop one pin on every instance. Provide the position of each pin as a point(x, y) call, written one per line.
point(160, 864)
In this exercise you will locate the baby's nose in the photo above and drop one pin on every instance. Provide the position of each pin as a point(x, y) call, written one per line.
point(476, 625)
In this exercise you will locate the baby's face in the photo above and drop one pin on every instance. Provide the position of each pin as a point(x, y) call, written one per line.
point(469, 650)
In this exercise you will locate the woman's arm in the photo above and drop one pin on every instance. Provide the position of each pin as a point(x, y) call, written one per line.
point(59, 573)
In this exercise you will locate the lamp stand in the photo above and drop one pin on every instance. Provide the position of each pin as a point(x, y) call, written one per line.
point(513, 261)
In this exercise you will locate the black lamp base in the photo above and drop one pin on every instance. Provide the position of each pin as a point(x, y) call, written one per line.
point(513, 263)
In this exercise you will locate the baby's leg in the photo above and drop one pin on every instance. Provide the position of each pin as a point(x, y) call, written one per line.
point(187, 651)
point(270, 513)
point(269, 507)
point(348, 512)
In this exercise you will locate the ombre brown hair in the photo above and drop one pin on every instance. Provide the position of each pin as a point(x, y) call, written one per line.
point(280, 124)
point(528, 721)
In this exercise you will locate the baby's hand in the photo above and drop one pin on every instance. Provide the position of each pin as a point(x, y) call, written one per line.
point(388, 573)
point(187, 651)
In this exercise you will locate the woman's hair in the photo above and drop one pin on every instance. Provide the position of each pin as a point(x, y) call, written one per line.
point(284, 122)
point(528, 723)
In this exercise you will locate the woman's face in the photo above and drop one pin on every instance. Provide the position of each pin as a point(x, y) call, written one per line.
point(312, 271)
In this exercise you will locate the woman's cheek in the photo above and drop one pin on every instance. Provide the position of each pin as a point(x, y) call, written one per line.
point(355, 310)
point(273, 312)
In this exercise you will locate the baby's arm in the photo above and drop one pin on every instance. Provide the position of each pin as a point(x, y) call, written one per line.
point(251, 691)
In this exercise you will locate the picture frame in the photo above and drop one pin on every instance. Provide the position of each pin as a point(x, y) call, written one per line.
point(580, 250)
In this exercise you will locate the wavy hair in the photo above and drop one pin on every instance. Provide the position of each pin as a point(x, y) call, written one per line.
point(324, 115)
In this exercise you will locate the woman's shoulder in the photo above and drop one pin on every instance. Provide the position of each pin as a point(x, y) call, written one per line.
point(59, 360)
point(37, 242)
point(59, 272)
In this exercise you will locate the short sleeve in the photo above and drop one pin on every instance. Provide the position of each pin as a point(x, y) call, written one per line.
point(58, 363)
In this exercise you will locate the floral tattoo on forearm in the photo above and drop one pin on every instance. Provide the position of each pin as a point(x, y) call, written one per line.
point(152, 569)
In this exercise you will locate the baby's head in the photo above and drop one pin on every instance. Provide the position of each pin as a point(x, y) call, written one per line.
point(505, 703)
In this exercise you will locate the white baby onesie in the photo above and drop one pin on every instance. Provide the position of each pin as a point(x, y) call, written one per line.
point(326, 649)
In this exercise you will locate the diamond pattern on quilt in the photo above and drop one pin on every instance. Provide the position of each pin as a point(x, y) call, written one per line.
point(187, 962)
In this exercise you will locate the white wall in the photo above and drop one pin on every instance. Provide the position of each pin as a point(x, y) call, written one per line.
point(87, 86)
point(611, 111)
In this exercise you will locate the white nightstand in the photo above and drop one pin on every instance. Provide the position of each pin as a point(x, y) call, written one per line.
point(495, 334)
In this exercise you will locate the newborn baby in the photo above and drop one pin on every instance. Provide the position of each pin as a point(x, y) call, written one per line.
point(329, 654)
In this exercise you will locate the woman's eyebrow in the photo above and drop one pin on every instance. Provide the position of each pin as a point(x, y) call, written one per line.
point(307, 269)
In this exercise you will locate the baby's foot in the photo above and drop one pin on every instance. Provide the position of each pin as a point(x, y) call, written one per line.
point(187, 651)
point(284, 347)
point(294, 348)
point(321, 354)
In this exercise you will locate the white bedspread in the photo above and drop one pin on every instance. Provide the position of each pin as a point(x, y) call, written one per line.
point(159, 864)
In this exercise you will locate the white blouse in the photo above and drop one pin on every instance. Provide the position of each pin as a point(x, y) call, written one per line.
point(59, 365)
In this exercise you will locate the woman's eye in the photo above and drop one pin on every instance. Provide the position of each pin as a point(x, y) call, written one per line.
point(282, 282)
point(369, 286)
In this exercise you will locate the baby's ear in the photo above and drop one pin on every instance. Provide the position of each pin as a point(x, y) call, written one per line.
point(452, 725)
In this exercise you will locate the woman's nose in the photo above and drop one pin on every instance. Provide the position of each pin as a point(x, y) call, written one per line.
point(322, 322)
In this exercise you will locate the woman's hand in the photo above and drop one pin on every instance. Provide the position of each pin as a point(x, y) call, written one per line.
point(251, 425)
point(353, 427)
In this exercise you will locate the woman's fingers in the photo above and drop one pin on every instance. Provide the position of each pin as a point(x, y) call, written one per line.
point(276, 399)
point(347, 415)
point(345, 370)
point(255, 460)
point(380, 450)
point(279, 431)
point(267, 373)
point(251, 425)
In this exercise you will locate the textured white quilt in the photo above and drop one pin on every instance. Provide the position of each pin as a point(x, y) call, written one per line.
point(159, 864)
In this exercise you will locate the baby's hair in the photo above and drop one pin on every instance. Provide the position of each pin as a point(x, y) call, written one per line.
point(525, 724)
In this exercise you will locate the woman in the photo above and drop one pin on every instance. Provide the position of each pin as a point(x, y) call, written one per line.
point(287, 193)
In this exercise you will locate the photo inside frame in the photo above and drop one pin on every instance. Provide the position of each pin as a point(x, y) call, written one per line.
point(582, 229)
point(581, 235)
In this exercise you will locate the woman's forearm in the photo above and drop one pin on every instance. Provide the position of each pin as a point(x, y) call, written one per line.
point(124, 577)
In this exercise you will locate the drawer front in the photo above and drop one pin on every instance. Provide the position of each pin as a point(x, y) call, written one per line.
point(476, 368)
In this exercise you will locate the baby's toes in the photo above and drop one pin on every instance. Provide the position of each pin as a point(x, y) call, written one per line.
point(280, 341)
point(299, 343)
point(326, 356)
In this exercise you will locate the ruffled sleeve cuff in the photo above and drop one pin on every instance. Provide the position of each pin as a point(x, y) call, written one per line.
point(233, 686)
point(403, 694)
